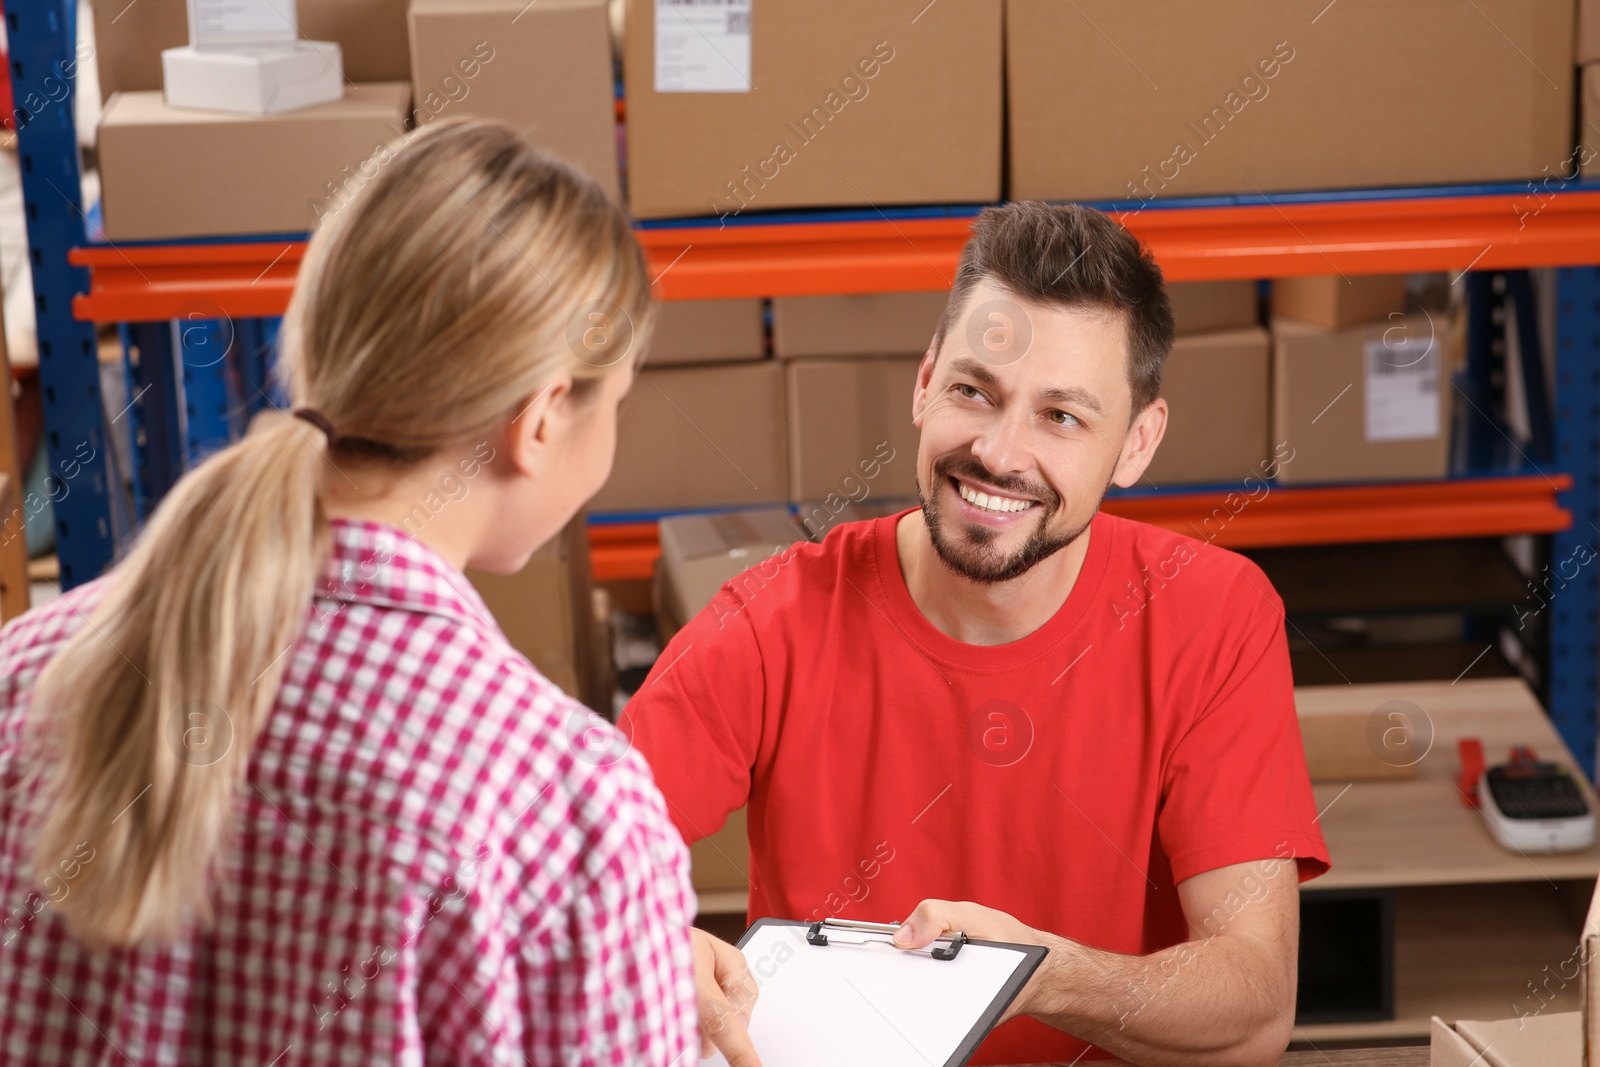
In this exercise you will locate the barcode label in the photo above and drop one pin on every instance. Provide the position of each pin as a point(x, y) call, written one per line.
point(1402, 387)
point(703, 46)
point(236, 22)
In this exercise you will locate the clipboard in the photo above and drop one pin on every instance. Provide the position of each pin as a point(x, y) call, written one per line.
point(838, 992)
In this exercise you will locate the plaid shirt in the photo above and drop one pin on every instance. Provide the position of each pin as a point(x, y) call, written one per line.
point(438, 857)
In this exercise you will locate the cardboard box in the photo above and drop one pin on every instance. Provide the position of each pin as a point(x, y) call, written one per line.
point(707, 331)
point(1137, 99)
point(721, 861)
point(701, 553)
point(1215, 385)
point(1588, 43)
point(1554, 1040)
point(700, 437)
point(857, 106)
point(1559, 1039)
point(1331, 300)
point(820, 516)
point(544, 68)
point(302, 75)
point(861, 324)
point(1198, 307)
point(1366, 403)
point(167, 173)
point(547, 612)
point(129, 39)
point(1339, 748)
point(850, 429)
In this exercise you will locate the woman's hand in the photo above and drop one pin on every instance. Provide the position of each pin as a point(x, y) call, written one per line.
point(727, 994)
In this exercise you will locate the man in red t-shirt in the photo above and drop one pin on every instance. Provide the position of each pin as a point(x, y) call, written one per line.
point(1010, 714)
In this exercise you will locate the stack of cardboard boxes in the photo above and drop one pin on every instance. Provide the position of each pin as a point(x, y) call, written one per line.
point(1215, 385)
point(851, 368)
point(712, 422)
point(170, 173)
point(703, 425)
point(868, 105)
point(1361, 390)
point(1346, 387)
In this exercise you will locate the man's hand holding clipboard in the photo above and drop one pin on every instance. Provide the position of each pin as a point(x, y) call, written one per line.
point(846, 991)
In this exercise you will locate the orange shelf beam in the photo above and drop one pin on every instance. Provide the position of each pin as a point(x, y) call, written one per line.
point(147, 283)
point(620, 551)
point(1402, 234)
point(1447, 233)
point(1283, 515)
point(1343, 514)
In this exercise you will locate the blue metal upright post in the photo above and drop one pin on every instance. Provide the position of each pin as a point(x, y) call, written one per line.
point(1574, 563)
point(153, 386)
point(42, 36)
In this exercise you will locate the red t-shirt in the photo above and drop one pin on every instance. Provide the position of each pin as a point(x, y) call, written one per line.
point(1146, 733)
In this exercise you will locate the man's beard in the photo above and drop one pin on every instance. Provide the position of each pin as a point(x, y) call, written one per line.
point(973, 563)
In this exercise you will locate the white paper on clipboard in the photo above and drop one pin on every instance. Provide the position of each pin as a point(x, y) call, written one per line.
point(874, 1004)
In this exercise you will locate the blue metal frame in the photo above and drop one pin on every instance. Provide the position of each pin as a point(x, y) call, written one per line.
point(158, 459)
point(207, 354)
point(43, 39)
point(1573, 689)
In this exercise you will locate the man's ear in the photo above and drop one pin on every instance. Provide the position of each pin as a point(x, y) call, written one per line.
point(919, 395)
point(530, 431)
point(1139, 446)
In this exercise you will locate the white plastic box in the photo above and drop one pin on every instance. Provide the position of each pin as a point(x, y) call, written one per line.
point(262, 82)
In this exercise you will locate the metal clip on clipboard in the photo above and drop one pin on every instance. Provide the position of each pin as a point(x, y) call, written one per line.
point(815, 936)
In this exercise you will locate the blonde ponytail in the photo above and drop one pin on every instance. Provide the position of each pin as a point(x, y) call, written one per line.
point(427, 312)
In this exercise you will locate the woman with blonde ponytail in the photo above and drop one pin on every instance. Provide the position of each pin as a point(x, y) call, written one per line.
point(276, 790)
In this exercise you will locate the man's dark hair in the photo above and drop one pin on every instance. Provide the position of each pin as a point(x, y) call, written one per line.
point(1071, 256)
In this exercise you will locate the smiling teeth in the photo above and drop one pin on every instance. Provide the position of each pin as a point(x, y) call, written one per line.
point(992, 502)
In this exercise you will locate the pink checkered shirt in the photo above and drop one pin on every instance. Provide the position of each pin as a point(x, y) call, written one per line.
point(439, 858)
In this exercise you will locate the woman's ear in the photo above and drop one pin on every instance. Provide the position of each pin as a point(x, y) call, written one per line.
point(530, 432)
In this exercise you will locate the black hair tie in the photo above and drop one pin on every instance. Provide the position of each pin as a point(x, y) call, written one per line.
point(320, 421)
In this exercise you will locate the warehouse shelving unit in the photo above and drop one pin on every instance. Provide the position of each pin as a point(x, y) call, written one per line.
point(1370, 232)
point(181, 305)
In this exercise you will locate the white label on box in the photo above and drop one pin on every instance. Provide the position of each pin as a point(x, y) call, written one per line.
point(1402, 389)
point(703, 46)
point(236, 22)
